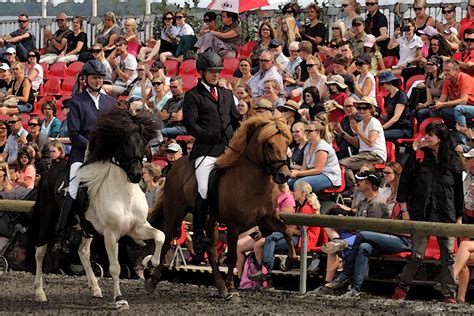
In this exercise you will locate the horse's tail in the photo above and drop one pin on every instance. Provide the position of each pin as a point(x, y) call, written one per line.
point(156, 214)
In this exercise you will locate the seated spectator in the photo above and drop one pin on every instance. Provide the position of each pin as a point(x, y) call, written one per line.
point(358, 36)
point(419, 194)
point(6, 79)
point(422, 20)
point(26, 172)
point(108, 34)
point(15, 139)
point(245, 68)
point(63, 135)
point(452, 39)
point(348, 51)
point(164, 43)
point(365, 82)
point(337, 65)
point(351, 11)
point(160, 94)
point(467, 22)
point(210, 23)
point(55, 44)
point(276, 47)
point(376, 59)
point(337, 89)
point(172, 112)
point(397, 114)
point(320, 164)
point(22, 40)
point(270, 92)
point(10, 56)
point(151, 176)
point(4, 133)
point(449, 16)
point(308, 203)
point(287, 32)
point(311, 103)
point(243, 90)
point(124, 67)
point(314, 30)
point(301, 141)
point(21, 90)
point(51, 124)
point(140, 88)
point(245, 107)
point(346, 149)
point(174, 152)
point(289, 111)
point(264, 108)
point(439, 46)
point(410, 45)
point(290, 73)
point(266, 72)
point(185, 32)
point(338, 38)
point(76, 44)
point(369, 139)
point(6, 183)
point(97, 53)
point(34, 136)
point(434, 86)
point(266, 33)
point(466, 58)
point(227, 41)
point(389, 190)
point(131, 35)
point(316, 77)
point(34, 71)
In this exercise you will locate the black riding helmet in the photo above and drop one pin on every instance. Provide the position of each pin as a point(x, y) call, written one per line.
point(209, 61)
point(93, 67)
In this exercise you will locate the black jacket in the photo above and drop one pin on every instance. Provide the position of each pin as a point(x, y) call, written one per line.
point(431, 194)
point(211, 123)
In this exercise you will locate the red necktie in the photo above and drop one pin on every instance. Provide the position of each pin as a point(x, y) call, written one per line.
point(214, 93)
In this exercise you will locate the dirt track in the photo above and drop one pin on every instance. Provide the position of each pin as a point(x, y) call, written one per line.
point(70, 295)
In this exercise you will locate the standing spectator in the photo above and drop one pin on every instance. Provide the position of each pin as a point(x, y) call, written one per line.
point(34, 71)
point(131, 35)
point(267, 71)
point(172, 112)
point(314, 31)
point(165, 43)
point(432, 189)
point(151, 175)
point(108, 34)
point(466, 58)
point(449, 15)
point(359, 36)
point(21, 89)
point(51, 124)
point(55, 44)
point(351, 10)
point(346, 149)
point(16, 139)
point(422, 20)
point(376, 23)
point(124, 66)
point(35, 136)
point(76, 45)
point(23, 39)
point(468, 21)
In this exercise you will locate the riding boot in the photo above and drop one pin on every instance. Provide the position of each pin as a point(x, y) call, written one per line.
point(202, 240)
point(61, 228)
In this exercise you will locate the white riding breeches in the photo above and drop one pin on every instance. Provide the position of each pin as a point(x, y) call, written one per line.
point(204, 166)
point(73, 181)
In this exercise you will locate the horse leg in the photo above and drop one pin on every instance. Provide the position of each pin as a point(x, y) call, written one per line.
point(111, 245)
point(84, 252)
point(147, 232)
point(40, 295)
point(232, 237)
point(212, 258)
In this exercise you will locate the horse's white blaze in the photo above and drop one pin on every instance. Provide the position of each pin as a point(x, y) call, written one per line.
point(40, 295)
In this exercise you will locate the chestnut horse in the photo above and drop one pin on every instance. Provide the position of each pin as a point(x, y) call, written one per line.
point(254, 161)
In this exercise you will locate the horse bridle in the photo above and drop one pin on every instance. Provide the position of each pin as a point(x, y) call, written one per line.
point(128, 163)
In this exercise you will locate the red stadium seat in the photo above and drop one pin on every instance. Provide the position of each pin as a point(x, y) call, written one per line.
point(391, 155)
point(188, 67)
point(230, 66)
point(189, 82)
point(52, 87)
point(172, 67)
point(68, 85)
point(74, 69)
point(421, 131)
point(412, 80)
point(336, 115)
point(246, 49)
point(177, 243)
point(414, 125)
point(390, 61)
point(39, 102)
point(337, 191)
point(45, 67)
point(57, 70)
point(380, 103)
point(59, 103)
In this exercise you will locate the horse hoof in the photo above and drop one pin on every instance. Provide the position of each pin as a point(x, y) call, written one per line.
point(150, 285)
point(233, 297)
point(97, 293)
point(40, 297)
point(121, 303)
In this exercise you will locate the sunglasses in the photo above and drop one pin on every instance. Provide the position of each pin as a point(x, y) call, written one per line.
point(288, 12)
point(308, 131)
point(335, 28)
point(178, 17)
point(12, 122)
point(169, 19)
point(417, 9)
point(60, 20)
point(447, 11)
point(118, 45)
point(207, 20)
point(469, 40)
point(344, 5)
point(156, 84)
point(264, 60)
point(310, 65)
point(370, 4)
point(356, 24)
point(31, 55)
point(141, 69)
point(33, 124)
point(362, 108)
point(387, 172)
point(359, 63)
point(348, 106)
point(95, 51)
point(22, 21)
point(430, 64)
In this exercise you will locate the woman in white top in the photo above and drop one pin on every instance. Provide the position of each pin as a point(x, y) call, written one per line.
point(97, 53)
point(410, 45)
point(34, 71)
point(316, 75)
point(351, 9)
point(369, 138)
point(183, 29)
point(365, 81)
point(320, 164)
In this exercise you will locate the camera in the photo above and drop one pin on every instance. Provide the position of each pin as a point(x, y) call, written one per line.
point(405, 28)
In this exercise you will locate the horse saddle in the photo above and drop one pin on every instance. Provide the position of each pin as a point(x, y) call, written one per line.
point(213, 186)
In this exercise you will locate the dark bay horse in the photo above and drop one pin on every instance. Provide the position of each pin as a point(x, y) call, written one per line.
point(116, 204)
point(254, 161)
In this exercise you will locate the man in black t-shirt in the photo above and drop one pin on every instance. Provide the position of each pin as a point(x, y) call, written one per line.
point(377, 24)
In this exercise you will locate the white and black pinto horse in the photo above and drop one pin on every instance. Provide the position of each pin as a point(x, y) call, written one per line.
point(117, 206)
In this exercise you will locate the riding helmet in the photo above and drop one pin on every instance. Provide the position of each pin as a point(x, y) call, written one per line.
point(209, 61)
point(93, 67)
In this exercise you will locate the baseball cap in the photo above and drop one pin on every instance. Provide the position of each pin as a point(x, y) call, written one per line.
point(358, 20)
point(372, 177)
point(469, 154)
point(174, 147)
point(429, 31)
point(10, 50)
point(275, 43)
point(4, 66)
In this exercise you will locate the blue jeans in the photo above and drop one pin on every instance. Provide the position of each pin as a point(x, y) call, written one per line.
point(274, 243)
point(366, 243)
point(461, 114)
point(173, 131)
point(25, 108)
point(317, 182)
point(394, 134)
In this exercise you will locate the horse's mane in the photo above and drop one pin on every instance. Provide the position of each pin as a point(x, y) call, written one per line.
point(111, 130)
point(265, 127)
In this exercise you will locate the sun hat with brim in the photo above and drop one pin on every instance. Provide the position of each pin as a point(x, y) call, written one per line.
point(337, 80)
point(290, 105)
point(387, 76)
point(469, 154)
point(174, 147)
point(365, 100)
point(372, 177)
point(264, 104)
